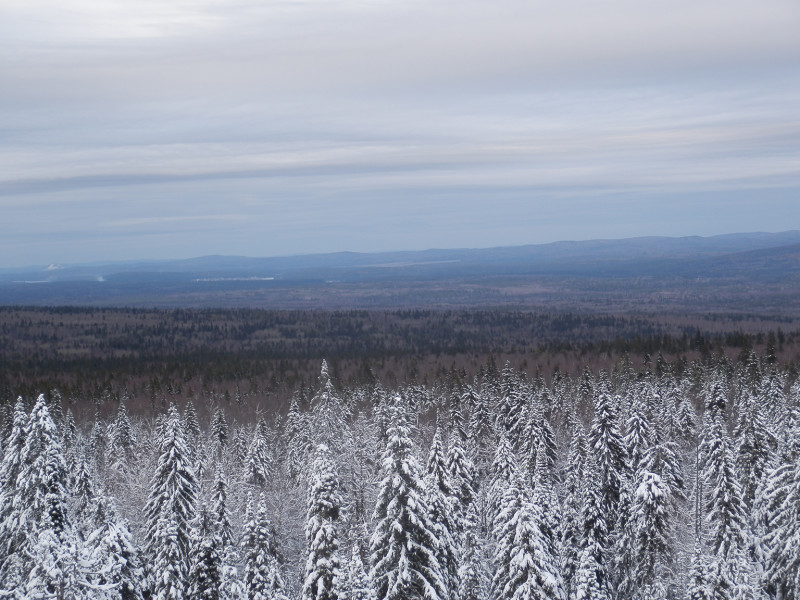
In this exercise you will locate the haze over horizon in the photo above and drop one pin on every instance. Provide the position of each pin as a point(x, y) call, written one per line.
point(634, 247)
point(174, 129)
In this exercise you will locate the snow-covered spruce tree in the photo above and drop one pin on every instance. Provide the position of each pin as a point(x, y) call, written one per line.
point(241, 445)
point(647, 535)
point(593, 557)
point(206, 573)
point(231, 584)
point(724, 507)
point(605, 443)
point(329, 414)
point(511, 407)
point(525, 566)
point(639, 434)
point(546, 501)
point(121, 439)
point(771, 397)
point(275, 585)
point(587, 581)
point(685, 420)
point(259, 460)
point(38, 498)
point(463, 482)
point(664, 406)
point(358, 585)
point(220, 511)
point(462, 474)
point(664, 460)
point(437, 463)
point(98, 444)
point(443, 512)
point(70, 433)
point(191, 424)
point(83, 494)
point(69, 437)
point(725, 519)
point(512, 496)
point(205, 579)
point(263, 580)
point(11, 534)
point(323, 574)
point(753, 447)
point(219, 428)
point(473, 583)
point(699, 587)
point(778, 505)
point(458, 418)
point(503, 469)
point(51, 552)
point(653, 538)
point(171, 563)
point(171, 507)
point(403, 547)
point(480, 427)
point(533, 573)
point(298, 441)
point(571, 533)
point(538, 435)
point(116, 561)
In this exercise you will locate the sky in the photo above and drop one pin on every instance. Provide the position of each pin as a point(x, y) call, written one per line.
point(180, 128)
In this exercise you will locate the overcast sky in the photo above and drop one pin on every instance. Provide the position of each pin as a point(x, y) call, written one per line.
point(178, 128)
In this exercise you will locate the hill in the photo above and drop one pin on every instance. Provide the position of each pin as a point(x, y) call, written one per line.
point(749, 272)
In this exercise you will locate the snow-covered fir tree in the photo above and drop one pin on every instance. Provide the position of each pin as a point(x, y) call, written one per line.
point(116, 564)
point(259, 458)
point(571, 532)
point(525, 567)
point(443, 507)
point(12, 535)
point(725, 519)
point(606, 444)
point(37, 531)
point(653, 542)
point(404, 547)
point(220, 511)
point(121, 438)
point(219, 428)
point(778, 507)
point(324, 579)
point(170, 510)
point(473, 579)
point(357, 583)
point(263, 579)
point(206, 572)
point(503, 469)
point(593, 555)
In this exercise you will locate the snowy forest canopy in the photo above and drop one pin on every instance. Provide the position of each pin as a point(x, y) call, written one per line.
point(629, 484)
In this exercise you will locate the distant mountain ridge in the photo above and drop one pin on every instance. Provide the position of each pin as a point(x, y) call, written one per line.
point(619, 249)
point(515, 275)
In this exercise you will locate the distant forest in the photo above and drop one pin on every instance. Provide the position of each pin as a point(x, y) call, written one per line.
point(94, 357)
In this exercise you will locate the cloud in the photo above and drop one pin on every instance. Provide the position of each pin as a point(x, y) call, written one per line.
point(156, 50)
point(171, 220)
point(301, 114)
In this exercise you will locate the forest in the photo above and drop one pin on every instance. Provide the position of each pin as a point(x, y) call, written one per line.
point(669, 479)
point(238, 357)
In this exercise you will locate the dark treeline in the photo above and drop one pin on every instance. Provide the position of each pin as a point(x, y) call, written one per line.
point(651, 480)
point(96, 355)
